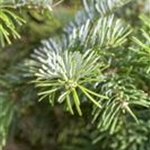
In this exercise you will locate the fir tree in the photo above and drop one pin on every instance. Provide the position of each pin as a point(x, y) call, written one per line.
point(95, 77)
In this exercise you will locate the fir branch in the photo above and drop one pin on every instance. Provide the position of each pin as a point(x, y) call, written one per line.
point(6, 115)
point(103, 7)
point(123, 97)
point(65, 72)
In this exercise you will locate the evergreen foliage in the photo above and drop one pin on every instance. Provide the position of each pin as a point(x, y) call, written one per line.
point(95, 75)
point(10, 20)
point(6, 116)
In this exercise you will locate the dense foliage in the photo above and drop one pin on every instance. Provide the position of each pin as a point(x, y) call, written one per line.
point(86, 86)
